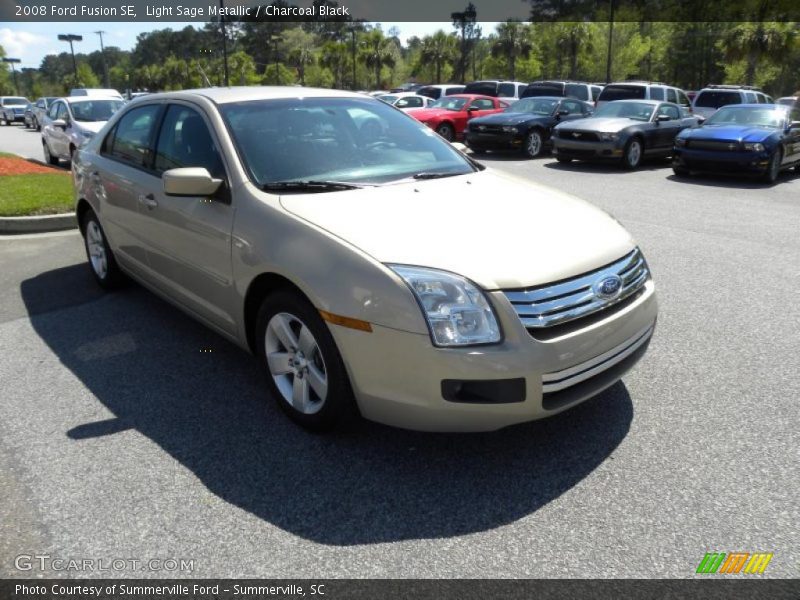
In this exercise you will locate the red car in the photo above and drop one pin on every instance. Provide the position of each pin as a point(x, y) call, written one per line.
point(448, 116)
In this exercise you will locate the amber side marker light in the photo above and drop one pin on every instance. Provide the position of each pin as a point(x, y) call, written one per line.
point(346, 321)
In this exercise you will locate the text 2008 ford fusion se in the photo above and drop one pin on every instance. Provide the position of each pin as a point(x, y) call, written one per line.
point(372, 267)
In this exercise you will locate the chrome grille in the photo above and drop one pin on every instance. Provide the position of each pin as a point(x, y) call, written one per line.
point(546, 306)
point(578, 136)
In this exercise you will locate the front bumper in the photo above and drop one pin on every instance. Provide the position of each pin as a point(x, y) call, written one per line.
point(587, 150)
point(494, 140)
point(721, 162)
point(401, 379)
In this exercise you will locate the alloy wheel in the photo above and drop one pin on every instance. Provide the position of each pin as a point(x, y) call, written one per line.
point(295, 363)
point(533, 144)
point(95, 245)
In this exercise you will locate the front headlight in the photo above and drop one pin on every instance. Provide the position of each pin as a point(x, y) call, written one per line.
point(680, 141)
point(609, 137)
point(457, 312)
point(754, 147)
point(509, 129)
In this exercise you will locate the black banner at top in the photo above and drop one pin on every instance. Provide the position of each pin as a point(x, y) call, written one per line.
point(400, 11)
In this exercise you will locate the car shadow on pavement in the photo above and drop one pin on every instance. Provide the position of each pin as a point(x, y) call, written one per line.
point(203, 401)
point(734, 180)
point(648, 164)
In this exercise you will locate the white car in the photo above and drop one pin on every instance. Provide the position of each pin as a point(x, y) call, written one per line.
point(407, 101)
point(391, 277)
point(72, 121)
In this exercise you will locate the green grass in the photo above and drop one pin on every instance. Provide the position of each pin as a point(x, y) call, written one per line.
point(35, 194)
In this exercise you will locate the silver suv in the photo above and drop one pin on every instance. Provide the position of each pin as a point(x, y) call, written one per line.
point(644, 90)
point(12, 108)
point(580, 90)
point(714, 97)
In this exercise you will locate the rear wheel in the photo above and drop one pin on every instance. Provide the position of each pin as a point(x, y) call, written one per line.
point(305, 372)
point(533, 143)
point(446, 131)
point(101, 259)
point(632, 156)
point(774, 168)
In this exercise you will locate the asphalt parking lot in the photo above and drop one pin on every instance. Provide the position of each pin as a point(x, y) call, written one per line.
point(127, 430)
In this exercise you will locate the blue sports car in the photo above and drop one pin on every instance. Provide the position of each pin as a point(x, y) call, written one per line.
point(741, 138)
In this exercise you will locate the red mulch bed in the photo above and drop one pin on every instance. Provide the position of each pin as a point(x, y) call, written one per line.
point(20, 166)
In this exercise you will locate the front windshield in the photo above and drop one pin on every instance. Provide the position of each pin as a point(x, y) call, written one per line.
point(450, 103)
point(638, 111)
point(748, 115)
point(534, 106)
point(350, 140)
point(95, 110)
point(14, 101)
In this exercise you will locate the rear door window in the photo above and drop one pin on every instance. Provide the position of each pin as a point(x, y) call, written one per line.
point(430, 92)
point(596, 89)
point(543, 89)
point(506, 90)
point(134, 132)
point(672, 96)
point(484, 88)
point(453, 90)
point(576, 90)
point(717, 98)
point(656, 93)
point(622, 92)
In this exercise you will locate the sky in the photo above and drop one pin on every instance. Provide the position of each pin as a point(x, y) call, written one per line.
point(31, 42)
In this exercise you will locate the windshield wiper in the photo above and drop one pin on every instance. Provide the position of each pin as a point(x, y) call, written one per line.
point(434, 175)
point(311, 185)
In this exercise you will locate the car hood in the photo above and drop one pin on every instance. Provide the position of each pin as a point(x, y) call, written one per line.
point(93, 126)
point(507, 118)
point(738, 133)
point(605, 124)
point(425, 114)
point(498, 231)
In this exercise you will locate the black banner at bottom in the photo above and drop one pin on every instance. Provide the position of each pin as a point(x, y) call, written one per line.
point(390, 589)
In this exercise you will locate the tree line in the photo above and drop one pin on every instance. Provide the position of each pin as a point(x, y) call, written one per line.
point(356, 55)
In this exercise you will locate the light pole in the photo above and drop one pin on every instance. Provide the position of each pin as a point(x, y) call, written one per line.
point(461, 19)
point(12, 62)
point(224, 40)
point(610, 40)
point(103, 57)
point(71, 37)
point(353, 48)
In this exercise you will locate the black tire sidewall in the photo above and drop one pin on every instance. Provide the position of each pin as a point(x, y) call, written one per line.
point(339, 407)
point(446, 128)
point(771, 176)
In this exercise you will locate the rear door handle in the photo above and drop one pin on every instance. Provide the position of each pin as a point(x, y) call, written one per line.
point(149, 201)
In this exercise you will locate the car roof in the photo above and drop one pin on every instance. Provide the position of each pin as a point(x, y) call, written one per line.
point(79, 99)
point(557, 98)
point(642, 101)
point(224, 95)
point(472, 96)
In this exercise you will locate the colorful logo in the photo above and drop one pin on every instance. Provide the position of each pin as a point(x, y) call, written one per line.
point(734, 562)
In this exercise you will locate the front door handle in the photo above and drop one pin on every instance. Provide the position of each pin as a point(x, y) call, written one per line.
point(149, 201)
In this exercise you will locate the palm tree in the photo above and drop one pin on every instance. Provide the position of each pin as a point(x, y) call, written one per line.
point(437, 49)
point(750, 41)
point(513, 41)
point(299, 47)
point(569, 39)
point(335, 56)
point(377, 52)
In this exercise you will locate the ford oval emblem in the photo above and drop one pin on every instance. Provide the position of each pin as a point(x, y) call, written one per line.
point(608, 287)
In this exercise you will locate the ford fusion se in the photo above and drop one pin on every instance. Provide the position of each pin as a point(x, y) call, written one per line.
point(363, 265)
point(761, 139)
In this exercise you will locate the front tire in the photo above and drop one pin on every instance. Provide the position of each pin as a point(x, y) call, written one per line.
point(533, 143)
point(774, 168)
point(305, 372)
point(49, 158)
point(102, 263)
point(681, 172)
point(446, 131)
point(632, 156)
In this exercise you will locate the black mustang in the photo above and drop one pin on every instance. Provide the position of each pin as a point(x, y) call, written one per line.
point(525, 125)
point(622, 130)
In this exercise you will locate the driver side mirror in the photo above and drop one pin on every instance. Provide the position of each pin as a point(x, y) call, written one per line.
point(563, 112)
point(662, 118)
point(189, 181)
point(60, 123)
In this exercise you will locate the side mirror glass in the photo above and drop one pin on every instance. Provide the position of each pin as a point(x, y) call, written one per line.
point(662, 118)
point(60, 123)
point(189, 181)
